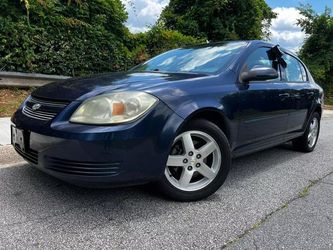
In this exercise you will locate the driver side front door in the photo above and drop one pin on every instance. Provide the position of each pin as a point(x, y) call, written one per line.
point(263, 106)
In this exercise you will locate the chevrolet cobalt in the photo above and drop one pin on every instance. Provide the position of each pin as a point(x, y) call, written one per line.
point(176, 120)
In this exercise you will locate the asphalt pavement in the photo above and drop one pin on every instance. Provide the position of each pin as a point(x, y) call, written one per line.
point(274, 199)
point(305, 223)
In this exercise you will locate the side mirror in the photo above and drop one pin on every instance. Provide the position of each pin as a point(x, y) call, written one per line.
point(259, 73)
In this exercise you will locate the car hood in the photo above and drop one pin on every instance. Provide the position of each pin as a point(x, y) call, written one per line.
point(74, 88)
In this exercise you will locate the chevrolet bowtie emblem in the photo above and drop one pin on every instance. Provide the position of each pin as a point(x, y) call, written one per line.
point(36, 106)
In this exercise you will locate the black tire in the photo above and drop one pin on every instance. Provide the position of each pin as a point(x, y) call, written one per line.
point(215, 132)
point(302, 143)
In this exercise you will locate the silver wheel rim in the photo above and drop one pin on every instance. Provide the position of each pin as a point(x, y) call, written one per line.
point(194, 161)
point(313, 132)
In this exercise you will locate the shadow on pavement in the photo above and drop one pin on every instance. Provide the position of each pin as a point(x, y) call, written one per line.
point(35, 195)
point(25, 181)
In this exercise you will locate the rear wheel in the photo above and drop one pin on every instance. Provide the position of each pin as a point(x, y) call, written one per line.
point(198, 163)
point(308, 141)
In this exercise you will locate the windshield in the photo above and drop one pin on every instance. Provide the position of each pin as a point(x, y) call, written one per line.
point(207, 59)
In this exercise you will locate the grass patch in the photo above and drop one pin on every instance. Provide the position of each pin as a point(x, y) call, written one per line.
point(329, 101)
point(306, 190)
point(11, 99)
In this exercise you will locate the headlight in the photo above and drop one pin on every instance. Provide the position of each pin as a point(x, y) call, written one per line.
point(113, 108)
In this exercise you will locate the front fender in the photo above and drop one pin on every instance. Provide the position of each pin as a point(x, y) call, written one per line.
point(219, 101)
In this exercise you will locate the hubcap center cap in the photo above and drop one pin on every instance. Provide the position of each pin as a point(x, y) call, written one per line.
point(194, 160)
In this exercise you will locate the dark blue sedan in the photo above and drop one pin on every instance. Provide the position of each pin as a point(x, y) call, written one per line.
point(176, 120)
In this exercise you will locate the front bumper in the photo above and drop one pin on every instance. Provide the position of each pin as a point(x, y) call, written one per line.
point(100, 156)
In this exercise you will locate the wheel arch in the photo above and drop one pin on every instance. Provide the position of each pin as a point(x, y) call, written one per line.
point(213, 115)
point(319, 110)
point(316, 109)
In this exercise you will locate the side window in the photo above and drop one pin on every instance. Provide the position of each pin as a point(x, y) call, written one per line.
point(304, 74)
point(295, 72)
point(260, 58)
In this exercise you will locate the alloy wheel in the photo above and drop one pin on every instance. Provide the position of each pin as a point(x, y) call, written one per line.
point(313, 132)
point(194, 161)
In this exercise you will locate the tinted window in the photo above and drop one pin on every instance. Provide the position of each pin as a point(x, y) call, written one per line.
point(204, 59)
point(304, 74)
point(260, 58)
point(294, 70)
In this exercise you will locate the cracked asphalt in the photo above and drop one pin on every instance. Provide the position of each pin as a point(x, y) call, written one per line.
point(267, 202)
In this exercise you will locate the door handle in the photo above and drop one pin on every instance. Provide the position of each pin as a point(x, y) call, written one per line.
point(284, 95)
point(297, 96)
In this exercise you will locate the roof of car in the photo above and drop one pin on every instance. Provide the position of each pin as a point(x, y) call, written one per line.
point(250, 42)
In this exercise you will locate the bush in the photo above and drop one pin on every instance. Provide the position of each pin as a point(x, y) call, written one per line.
point(57, 38)
point(73, 51)
point(76, 37)
point(317, 51)
point(158, 40)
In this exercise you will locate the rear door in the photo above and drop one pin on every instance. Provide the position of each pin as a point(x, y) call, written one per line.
point(301, 92)
point(263, 105)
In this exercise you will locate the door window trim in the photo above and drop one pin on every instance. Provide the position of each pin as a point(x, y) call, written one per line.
point(277, 80)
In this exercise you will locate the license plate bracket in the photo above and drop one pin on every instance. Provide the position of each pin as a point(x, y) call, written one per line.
point(18, 138)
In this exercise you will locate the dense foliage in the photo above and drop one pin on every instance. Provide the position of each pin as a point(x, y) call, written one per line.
point(58, 37)
point(219, 19)
point(75, 37)
point(158, 40)
point(317, 51)
point(79, 37)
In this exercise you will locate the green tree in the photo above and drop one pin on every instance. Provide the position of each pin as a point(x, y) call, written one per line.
point(76, 37)
point(317, 51)
point(71, 37)
point(158, 40)
point(219, 19)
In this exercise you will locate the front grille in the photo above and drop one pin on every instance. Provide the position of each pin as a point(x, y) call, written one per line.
point(29, 154)
point(46, 110)
point(40, 115)
point(48, 102)
point(91, 169)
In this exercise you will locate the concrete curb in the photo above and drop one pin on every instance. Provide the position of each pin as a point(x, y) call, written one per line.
point(10, 165)
point(8, 156)
point(327, 113)
point(5, 131)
